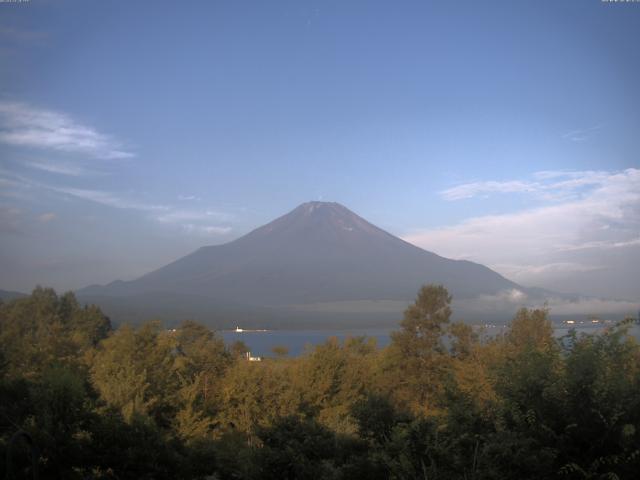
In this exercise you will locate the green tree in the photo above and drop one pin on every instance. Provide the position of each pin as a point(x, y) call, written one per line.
point(417, 358)
point(191, 421)
point(200, 359)
point(280, 351)
point(137, 371)
point(331, 378)
point(601, 408)
point(44, 329)
point(531, 329)
point(254, 394)
point(295, 449)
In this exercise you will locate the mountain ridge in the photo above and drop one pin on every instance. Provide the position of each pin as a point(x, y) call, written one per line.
point(319, 251)
point(319, 266)
point(7, 295)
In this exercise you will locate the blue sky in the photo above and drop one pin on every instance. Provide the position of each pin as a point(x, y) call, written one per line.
point(132, 133)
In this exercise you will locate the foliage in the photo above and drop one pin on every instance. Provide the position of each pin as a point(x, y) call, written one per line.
point(440, 402)
point(43, 329)
point(418, 348)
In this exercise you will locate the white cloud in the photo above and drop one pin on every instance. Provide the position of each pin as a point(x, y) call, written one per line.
point(192, 222)
point(188, 221)
point(614, 203)
point(511, 300)
point(207, 229)
point(581, 134)
point(592, 213)
point(107, 198)
point(47, 217)
point(469, 190)
point(603, 244)
point(197, 221)
point(550, 185)
point(506, 301)
point(187, 197)
point(23, 125)
point(179, 216)
point(7, 182)
point(591, 306)
point(10, 219)
point(519, 271)
point(59, 168)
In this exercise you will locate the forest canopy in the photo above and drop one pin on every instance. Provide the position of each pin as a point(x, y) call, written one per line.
point(82, 400)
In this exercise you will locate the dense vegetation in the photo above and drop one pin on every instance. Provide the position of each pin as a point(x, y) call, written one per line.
point(438, 403)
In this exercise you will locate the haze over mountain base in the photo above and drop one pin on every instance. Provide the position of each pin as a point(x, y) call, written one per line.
point(320, 265)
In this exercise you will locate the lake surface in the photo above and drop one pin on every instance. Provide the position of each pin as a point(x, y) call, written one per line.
point(262, 343)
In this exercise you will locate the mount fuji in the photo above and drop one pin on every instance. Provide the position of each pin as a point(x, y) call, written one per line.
point(319, 263)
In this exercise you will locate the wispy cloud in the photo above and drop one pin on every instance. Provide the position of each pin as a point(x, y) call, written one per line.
point(593, 213)
point(551, 185)
point(7, 182)
point(22, 35)
point(60, 168)
point(187, 197)
point(179, 216)
point(602, 244)
point(10, 218)
point(581, 134)
point(191, 221)
point(469, 190)
point(517, 271)
point(558, 305)
point(47, 217)
point(206, 229)
point(204, 222)
point(609, 209)
point(26, 126)
point(593, 306)
point(101, 197)
point(109, 199)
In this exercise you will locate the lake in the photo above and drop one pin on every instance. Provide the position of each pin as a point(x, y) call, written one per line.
point(261, 343)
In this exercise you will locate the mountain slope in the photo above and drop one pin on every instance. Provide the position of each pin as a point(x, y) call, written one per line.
point(7, 295)
point(319, 252)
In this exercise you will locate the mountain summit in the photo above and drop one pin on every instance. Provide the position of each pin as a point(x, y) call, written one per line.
point(318, 221)
point(318, 253)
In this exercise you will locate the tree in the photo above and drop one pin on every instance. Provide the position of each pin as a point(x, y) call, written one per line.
point(61, 411)
point(253, 394)
point(375, 417)
point(44, 329)
point(531, 329)
point(238, 349)
point(118, 377)
point(122, 370)
point(294, 449)
point(331, 378)
point(201, 359)
point(191, 422)
point(601, 407)
point(418, 352)
point(280, 351)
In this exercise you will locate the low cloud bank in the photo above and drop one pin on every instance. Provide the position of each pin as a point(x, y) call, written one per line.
point(511, 300)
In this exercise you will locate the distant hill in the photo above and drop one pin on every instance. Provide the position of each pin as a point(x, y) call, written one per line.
point(319, 263)
point(10, 295)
